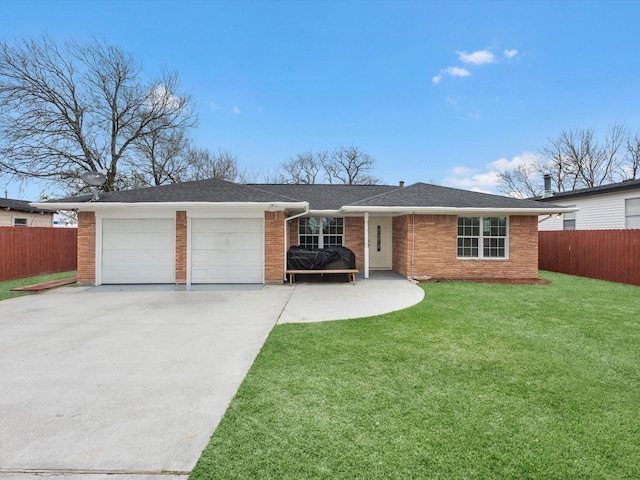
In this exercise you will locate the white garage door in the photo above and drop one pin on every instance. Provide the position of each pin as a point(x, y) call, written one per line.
point(138, 250)
point(226, 250)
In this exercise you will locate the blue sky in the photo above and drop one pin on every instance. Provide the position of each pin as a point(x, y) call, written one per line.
point(439, 92)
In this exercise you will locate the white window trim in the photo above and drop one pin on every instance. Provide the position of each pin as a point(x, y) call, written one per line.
point(626, 208)
point(481, 241)
point(320, 234)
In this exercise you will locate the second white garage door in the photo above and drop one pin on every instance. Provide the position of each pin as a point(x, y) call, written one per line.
point(227, 250)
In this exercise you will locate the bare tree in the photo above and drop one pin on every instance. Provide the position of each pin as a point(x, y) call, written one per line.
point(351, 166)
point(521, 181)
point(203, 164)
point(631, 168)
point(161, 158)
point(577, 159)
point(304, 168)
point(76, 107)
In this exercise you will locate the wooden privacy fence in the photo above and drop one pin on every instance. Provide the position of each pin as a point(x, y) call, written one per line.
point(612, 255)
point(28, 251)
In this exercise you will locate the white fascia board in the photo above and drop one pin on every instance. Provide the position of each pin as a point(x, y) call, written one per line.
point(99, 206)
point(456, 210)
point(324, 213)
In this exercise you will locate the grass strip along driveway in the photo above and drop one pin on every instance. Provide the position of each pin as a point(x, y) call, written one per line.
point(7, 285)
point(477, 381)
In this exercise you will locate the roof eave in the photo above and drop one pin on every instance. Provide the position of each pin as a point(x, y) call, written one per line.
point(97, 206)
point(458, 210)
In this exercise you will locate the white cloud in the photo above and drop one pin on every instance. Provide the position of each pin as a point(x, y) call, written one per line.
point(487, 179)
point(161, 98)
point(450, 72)
point(479, 57)
point(526, 159)
point(461, 171)
point(457, 72)
point(510, 53)
point(236, 110)
point(214, 106)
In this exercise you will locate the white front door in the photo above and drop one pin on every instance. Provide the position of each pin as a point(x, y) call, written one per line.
point(380, 243)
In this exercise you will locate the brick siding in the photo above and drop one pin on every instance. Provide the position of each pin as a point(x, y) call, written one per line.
point(181, 247)
point(354, 238)
point(86, 248)
point(274, 247)
point(434, 252)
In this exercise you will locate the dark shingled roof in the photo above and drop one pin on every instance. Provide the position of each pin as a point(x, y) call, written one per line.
point(211, 190)
point(601, 190)
point(327, 197)
point(21, 206)
point(426, 195)
point(320, 197)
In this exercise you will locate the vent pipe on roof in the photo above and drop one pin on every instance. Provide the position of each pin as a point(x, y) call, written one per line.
point(547, 186)
point(401, 183)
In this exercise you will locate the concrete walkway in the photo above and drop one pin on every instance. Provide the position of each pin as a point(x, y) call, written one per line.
point(131, 384)
point(318, 302)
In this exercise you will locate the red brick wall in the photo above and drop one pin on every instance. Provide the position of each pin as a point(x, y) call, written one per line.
point(354, 238)
point(435, 249)
point(293, 232)
point(181, 247)
point(86, 248)
point(274, 247)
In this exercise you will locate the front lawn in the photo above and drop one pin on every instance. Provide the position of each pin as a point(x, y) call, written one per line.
point(7, 285)
point(478, 381)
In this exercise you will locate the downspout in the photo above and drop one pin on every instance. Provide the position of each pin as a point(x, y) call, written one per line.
point(286, 237)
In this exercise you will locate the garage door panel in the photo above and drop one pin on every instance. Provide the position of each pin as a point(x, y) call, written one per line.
point(227, 250)
point(138, 250)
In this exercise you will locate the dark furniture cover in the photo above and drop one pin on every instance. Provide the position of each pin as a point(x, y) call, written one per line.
point(301, 258)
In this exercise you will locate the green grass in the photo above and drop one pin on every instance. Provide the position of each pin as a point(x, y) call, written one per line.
point(6, 286)
point(478, 381)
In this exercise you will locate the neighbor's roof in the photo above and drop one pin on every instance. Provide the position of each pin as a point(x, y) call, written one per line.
point(21, 206)
point(601, 190)
point(345, 198)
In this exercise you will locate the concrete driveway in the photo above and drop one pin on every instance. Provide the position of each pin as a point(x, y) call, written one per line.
point(126, 381)
point(133, 383)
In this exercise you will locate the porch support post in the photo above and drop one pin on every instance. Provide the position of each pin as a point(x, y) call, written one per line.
point(366, 244)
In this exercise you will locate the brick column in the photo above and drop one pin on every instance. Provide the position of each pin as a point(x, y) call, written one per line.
point(354, 238)
point(274, 247)
point(86, 248)
point(181, 248)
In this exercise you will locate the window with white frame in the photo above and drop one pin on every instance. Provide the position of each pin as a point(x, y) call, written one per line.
point(569, 220)
point(19, 222)
point(632, 212)
point(320, 232)
point(482, 237)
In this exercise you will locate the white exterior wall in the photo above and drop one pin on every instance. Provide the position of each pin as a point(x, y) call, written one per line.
point(33, 219)
point(597, 212)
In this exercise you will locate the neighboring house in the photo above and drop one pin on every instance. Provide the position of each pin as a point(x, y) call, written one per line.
point(19, 213)
point(212, 231)
point(614, 206)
